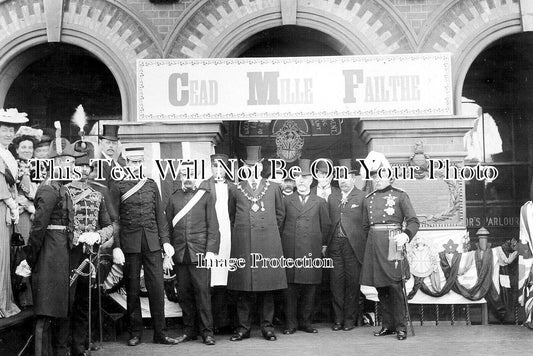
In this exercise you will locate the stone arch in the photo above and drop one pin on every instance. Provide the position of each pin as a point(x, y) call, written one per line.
point(214, 28)
point(108, 30)
point(465, 28)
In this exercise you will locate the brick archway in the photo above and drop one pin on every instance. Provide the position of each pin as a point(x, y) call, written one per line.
point(214, 28)
point(108, 30)
point(467, 27)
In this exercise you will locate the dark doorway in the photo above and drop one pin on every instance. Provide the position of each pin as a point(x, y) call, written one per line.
point(61, 78)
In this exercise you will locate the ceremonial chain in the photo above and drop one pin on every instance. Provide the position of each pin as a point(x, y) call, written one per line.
point(254, 200)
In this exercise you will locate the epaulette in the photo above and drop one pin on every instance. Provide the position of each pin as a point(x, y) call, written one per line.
point(398, 189)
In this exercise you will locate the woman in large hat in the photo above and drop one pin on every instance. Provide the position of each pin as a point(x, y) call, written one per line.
point(9, 120)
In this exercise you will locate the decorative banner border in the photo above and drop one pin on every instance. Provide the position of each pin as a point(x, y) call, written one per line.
point(288, 88)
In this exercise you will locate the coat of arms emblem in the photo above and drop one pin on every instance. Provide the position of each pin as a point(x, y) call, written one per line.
point(289, 142)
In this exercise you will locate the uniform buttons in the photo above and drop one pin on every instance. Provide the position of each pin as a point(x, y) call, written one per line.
point(383, 221)
point(370, 211)
point(383, 215)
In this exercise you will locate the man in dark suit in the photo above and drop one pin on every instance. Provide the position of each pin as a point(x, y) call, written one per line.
point(305, 229)
point(143, 232)
point(346, 246)
point(194, 232)
point(324, 174)
point(109, 151)
point(323, 189)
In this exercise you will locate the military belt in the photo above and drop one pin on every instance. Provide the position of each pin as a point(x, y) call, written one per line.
point(386, 227)
point(56, 227)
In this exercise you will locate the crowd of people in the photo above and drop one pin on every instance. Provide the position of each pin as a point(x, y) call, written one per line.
point(212, 234)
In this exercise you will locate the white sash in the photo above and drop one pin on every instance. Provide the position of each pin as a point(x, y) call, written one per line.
point(199, 194)
point(133, 190)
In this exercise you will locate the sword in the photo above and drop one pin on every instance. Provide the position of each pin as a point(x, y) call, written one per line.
point(404, 292)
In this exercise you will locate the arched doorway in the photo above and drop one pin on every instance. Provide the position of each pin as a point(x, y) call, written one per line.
point(333, 138)
point(499, 83)
point(57, 79)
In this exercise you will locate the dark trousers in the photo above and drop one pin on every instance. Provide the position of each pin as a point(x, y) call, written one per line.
point(299, 302)
point(344, 279)
point(245, 304)
point(392, 306)
point(44, 330)
point(53, 333)
point(194, 297)
point(153, 277)
point(222, 306)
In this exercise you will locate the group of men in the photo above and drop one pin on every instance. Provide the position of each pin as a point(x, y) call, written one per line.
point(204, 227)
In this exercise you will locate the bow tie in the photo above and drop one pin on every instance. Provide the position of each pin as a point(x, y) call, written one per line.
point(188, 190)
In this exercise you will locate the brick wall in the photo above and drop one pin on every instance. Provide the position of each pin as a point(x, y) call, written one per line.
point(416, 12)
point(163, 16)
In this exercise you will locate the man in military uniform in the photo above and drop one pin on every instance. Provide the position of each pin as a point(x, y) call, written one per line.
point(305, 230)
point(256, 213)
point(92, 225)
point(387, 210)
point(195, 237)
point(54, 252)
point(143, 232)
point(346, 246)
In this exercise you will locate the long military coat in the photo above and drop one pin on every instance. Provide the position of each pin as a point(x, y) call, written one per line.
point(386, 206)
point(256, 232)
point(50, 251)
point(305, 230)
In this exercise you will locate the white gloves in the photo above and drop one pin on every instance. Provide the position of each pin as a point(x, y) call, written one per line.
point(168, 264)
point(169, 250)
point(14, 215)
point(23, 269)
point(89, 238)
point(118, 256)
point(401, 239)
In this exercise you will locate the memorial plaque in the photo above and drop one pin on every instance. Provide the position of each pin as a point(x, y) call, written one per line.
point(439, 203)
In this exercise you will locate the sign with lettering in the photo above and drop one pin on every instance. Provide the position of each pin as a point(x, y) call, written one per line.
point(290, 88)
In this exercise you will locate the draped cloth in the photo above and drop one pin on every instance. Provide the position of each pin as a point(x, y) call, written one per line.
point(219, 274)
point(525, 258)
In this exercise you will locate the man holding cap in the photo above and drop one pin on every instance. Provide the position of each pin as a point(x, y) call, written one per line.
point(305, 230)
point(387, 209)
point(346, 246)
point(143, 233)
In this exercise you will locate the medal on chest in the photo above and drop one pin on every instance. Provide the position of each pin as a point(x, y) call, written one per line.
point(257, 204)
point(391, 201)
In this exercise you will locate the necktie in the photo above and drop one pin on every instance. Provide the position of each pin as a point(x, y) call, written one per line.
point(254, 186)
point(303, 199)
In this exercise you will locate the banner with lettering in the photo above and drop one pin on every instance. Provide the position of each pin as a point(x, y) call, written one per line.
point(294, 87)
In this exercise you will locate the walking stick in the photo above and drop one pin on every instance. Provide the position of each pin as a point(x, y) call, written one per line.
point(404, 292)
point(99, 299)
point(90, 275)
